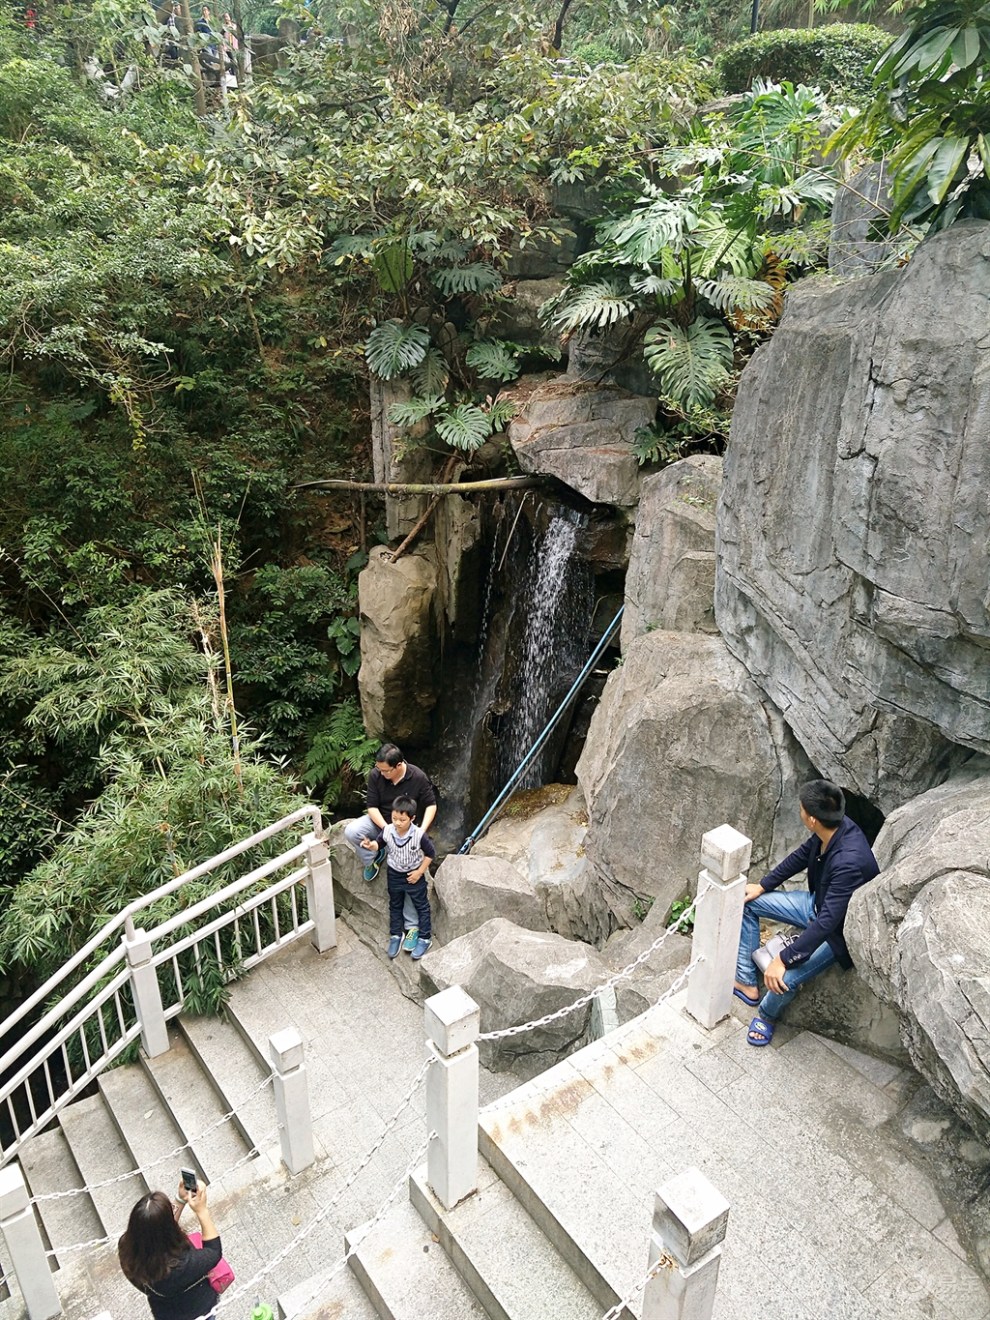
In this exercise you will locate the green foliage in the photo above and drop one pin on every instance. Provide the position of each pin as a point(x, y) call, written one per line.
point(931, 116)
point(393, 348)
point(837, 57)
point(692, 362)
point(493, 359)
point(340, 757)
point(677, 909)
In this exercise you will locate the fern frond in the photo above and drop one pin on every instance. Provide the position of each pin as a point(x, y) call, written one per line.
point(692, 364)
point(493, 360)
point(592, 306)
point(393, 348)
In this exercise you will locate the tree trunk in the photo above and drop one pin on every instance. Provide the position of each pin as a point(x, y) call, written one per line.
point(199, 91)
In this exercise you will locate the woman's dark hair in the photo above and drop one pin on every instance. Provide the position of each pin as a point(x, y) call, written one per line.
point(152, 1243)
point(823, 800)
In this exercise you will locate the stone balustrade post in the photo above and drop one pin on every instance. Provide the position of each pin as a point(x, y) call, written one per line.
point(453, 1021)
point(25, 1248)
point(319, 894)
point(689, 1223)
point(725, 855)
point(146, 991)
point(292, 1108)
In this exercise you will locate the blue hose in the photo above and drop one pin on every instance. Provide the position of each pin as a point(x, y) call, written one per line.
point(493, 810)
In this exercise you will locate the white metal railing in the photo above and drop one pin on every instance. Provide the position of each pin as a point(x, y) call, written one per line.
point(126, 983)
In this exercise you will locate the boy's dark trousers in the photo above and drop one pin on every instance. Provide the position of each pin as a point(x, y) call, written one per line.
point(398, 887)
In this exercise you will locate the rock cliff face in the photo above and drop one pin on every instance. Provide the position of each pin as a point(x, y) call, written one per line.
point(852, 531)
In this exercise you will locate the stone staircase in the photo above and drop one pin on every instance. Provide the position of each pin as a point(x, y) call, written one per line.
point(841, 1170)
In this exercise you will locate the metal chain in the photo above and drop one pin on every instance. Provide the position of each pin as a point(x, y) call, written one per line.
point(244, 1159)
point(324, 1210)
point(162, 1159)
point(663, 1262)
point(606, 985)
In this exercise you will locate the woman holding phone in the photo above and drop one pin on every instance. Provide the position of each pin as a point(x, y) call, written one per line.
point(157, 1257)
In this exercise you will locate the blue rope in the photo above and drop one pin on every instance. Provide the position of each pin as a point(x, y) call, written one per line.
point(489, 815)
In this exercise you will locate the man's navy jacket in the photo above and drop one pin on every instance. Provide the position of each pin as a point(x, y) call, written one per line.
point(848, 863)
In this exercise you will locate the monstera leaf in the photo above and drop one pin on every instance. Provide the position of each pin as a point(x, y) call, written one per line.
point(465, 426)
point(493, 360)
point(393, 348)
point(692, 363)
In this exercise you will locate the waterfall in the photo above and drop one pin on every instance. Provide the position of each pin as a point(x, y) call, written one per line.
point(556, 607)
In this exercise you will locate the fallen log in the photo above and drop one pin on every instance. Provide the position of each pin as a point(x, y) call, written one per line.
point(421, 487)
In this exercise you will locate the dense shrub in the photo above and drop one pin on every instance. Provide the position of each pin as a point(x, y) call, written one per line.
point(838, 58)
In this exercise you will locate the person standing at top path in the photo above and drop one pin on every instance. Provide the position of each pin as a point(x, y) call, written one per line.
point(838, 860)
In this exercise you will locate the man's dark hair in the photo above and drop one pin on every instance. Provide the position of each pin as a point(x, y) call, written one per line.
point(389, 753)
point(406, 805)
point(823, 800)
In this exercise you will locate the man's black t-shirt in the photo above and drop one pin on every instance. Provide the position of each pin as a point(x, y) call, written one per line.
point(414, 783)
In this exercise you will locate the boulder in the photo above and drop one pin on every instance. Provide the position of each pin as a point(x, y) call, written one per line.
point(396, 681)
point(548, 851)
point(683, 740)
point(920, 936)
point(653, 977)
point(516, 976)
point(396, 456)
point(518, 315)
point(861, 207)
point(472, 890)
point(671, 578)
point(853, 554)
point(545, 257)
point(583, 434)
point(613, 356)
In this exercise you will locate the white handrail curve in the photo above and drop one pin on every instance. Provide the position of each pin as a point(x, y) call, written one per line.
point(126, 916)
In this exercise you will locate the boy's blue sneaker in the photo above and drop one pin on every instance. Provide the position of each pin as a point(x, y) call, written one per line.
point(394, 945)
point(411, 940)
point(370, 872)
point(420, 949)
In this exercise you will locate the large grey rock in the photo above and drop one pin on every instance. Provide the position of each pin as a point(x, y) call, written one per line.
point(671, 578)
point(396, 455)
point(682, 741)
point(546, 257)
point(396, 604)
point(613, 356)
point(472, 890)
point(548, 851)
point(644, 986)
point(852, 529)
point(518, 315)
point(920, 936)
point(516, 976)
point(862, 204)
point(582, 434)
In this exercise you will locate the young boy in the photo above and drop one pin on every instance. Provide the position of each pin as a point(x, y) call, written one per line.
point(409, 851)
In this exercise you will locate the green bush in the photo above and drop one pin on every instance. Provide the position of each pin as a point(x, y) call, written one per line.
point(838, 58)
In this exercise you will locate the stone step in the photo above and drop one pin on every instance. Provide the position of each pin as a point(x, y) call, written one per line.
point(146, 1127)
point(194, 1105)
point(236, 1073)
point(406, 1273)
point(784, 1133)
point(323, 1297)
point(100, 1154)
point(49, 1167)
point(509, 1265)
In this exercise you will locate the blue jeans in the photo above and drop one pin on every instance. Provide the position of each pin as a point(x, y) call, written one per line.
point(796, 908)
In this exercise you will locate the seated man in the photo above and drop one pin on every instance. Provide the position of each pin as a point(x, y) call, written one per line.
point(838, 860)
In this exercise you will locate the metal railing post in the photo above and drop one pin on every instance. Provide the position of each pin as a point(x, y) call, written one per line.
point(25, 1246)
point(319, 894)
point(689, 1223)
point(147, 993)
point(725, 857)
point(453, 1021)
point(291, 1086)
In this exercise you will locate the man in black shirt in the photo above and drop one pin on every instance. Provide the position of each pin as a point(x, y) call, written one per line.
point(392, 777)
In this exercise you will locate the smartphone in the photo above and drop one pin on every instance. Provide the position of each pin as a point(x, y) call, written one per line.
point(189, 1180)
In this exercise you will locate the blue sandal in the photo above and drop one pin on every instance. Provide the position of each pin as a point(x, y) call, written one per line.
point(745, 998)
point(760, 1032)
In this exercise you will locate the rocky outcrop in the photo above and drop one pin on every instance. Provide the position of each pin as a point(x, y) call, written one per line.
point(644, 986)
point(862, 205)
point(582, 434)
point(920, 936)
point(396, 604)
point(472, 890)
point(845, 585)
point(671, 578)
point(683, 738)
point(518, 317)
point(395, 454)
point(548, 851)
point(517, 975)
